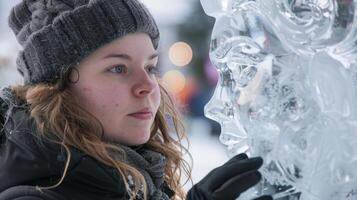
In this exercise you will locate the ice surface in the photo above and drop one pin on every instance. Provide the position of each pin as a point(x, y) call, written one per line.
point(287, 92)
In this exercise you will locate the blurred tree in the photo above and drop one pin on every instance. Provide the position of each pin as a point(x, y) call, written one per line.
point(196, 31)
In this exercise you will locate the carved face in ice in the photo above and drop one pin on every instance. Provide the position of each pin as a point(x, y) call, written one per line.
point(287, 89)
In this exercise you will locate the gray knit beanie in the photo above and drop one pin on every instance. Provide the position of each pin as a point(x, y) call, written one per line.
point(56, 34)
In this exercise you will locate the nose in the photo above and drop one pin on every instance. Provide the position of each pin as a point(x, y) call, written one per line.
point(144, 85)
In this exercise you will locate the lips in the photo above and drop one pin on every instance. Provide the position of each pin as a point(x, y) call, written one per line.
point(143, 114)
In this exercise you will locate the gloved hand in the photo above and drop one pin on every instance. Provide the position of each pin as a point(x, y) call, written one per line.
point(228, 181)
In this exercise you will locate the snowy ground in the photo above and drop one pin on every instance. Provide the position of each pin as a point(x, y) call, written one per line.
point(206, 151)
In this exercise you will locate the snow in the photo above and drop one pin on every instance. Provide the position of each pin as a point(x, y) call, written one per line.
point(206, 150)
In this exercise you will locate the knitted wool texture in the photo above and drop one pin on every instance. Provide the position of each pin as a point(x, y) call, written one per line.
point(57, 34)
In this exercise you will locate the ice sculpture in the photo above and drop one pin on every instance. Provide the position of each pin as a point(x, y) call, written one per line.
point(287, 92)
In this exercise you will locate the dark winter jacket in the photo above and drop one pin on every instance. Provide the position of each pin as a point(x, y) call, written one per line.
point(26, 161)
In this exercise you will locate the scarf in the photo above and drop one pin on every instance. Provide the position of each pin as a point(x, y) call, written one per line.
point(151, 165)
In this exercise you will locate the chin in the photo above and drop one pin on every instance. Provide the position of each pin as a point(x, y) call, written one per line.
point(136, 138)
point(144, 141)
point(141, 139)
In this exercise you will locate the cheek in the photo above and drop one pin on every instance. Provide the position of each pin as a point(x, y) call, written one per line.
point(97, 100)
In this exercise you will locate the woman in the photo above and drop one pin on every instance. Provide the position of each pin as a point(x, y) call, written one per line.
point(92, 120)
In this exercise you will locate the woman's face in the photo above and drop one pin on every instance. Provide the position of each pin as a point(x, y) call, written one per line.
point(118, 85)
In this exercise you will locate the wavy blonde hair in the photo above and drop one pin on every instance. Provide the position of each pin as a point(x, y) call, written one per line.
point(61, 119)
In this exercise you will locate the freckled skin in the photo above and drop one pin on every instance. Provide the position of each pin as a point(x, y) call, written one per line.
point(111, 97)
point(87, 89)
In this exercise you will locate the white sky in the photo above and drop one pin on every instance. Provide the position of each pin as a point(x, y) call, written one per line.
point(169, 12)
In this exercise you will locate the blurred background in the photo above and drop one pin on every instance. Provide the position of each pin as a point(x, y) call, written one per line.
point(186, 71)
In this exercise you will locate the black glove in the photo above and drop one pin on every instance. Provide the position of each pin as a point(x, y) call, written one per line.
point(228, 181)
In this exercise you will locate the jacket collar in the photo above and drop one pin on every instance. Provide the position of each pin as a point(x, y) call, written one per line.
point(27, 158)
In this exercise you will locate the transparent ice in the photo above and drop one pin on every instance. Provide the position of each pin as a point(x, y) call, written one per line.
point(287, 92)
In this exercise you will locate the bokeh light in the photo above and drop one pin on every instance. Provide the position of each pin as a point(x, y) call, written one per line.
point(174, 81)
point(180, 54)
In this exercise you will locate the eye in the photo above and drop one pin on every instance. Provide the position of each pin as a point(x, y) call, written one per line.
point(153, 69)
point(119, 69)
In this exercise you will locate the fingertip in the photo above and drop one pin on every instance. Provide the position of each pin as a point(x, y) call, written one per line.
point(258, 160)
point(259, 175)
point(253, 176)
point(265, 197)
point(241, 156)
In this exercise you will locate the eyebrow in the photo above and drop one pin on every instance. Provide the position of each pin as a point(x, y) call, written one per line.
point(127, 57)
